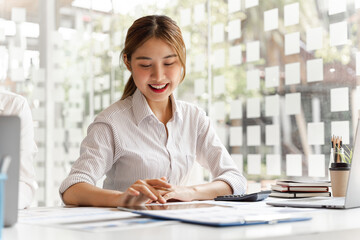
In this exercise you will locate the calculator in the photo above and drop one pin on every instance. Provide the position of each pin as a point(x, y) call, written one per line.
point(252, 197)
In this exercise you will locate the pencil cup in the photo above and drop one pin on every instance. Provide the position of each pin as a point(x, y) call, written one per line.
point(2, 199)
point(339, 175)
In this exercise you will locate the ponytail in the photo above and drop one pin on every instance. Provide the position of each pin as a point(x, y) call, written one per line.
point(130, 88)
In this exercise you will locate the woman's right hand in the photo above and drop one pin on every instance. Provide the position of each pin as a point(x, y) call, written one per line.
point(144, 191)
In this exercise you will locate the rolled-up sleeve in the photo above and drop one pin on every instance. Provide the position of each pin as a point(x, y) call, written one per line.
point(212, 155)
point(96, 156)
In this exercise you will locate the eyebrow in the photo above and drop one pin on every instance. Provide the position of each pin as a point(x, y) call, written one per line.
point(149, 58)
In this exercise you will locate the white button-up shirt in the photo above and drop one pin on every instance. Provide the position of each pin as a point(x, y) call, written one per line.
point(13, 104)
point(127, 142)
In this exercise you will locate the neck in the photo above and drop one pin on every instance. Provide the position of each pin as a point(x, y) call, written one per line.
point(162, 110)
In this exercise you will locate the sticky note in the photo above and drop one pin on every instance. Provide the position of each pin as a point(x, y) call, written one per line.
point(17, 75)
point(234, 29)
point(253, 187)
point(235, 56)
point(252, 51)
point(316, 165)
point(254, 164)
point(253, 107)
point(219, 58)
point(251, 3)
point(292, 103)
point(219, 85)
point(339, 99)
point(271, 19)
point(236, 109)
point(292, 43)
point(187, 39)
point(199, 64)
point(106, 100)
point(272, 76)
point(253, 79)
point(185, 17)
point(336, 6)
point(358, 63)
point(18, 15)
point(291, 14)
point(292, 73)
point(314, 70)
point(219, 108)
point(253, 134)
point(341, 129)
point(38, 114)
point(272, 106)
point(199, 87)
point(199, 13)
point(315, 133)
point(97, 102)
point(314, 38)
point(272, 135)
point(236, 136)
point(338, 33)
point(294, 165)
point(218, 33)
point(238, 159)
point(234, 6)
point(273, 164)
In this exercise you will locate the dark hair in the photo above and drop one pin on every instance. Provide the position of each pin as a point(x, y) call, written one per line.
point(153, 26)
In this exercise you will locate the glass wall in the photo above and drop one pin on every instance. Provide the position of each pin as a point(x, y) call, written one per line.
point(277, 78)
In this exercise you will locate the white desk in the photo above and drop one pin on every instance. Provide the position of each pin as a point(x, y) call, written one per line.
point(325, 224)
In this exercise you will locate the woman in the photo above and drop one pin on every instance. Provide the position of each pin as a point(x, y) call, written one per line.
point(147, 142)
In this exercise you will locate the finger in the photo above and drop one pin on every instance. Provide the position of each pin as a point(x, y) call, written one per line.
point(158, 183)
point(169, 195)
point(146, 190)
point(133, 192)
point(157, 194)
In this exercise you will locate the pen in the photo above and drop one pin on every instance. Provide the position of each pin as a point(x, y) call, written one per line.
point(5, 165)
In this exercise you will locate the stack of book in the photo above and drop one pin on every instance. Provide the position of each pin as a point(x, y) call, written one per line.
point(300, 189)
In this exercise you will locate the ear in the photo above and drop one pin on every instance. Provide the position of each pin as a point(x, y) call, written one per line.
point(127, 62)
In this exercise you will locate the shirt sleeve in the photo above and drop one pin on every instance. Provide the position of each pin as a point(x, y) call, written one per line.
point(212, 155)
point(96, 156)
point(28, 150)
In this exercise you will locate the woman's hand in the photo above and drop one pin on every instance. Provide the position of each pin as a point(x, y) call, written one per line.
point(179, 193)
point(144, 191)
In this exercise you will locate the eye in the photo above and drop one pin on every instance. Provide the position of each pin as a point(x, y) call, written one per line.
point(169, 64)
point(145, 66)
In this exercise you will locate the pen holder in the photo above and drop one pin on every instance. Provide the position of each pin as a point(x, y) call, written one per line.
point(2, 199)
point(339, 175)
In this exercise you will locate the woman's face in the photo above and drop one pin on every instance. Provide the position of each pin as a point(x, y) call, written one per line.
point(156, 70)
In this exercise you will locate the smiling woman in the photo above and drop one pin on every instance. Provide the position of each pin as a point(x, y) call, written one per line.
point(147, 142)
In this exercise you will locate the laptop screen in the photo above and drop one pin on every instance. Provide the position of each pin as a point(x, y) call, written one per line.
point(10, 147)
point(353, 189)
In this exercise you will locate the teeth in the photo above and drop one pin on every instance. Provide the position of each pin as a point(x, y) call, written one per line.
point(158, 86)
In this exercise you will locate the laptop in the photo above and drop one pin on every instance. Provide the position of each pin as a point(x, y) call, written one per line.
point(10, 147)
point(352, 197)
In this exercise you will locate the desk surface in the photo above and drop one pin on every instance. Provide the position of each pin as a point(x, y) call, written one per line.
point(325, 224)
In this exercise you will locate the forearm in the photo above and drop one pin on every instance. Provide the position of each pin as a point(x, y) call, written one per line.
point(210, 190)
point(85, 194)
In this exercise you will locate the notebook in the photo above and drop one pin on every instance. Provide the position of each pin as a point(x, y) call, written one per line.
point(351, 200)
point(10, 146)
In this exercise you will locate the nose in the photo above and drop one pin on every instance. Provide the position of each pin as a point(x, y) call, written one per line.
point(157, 73)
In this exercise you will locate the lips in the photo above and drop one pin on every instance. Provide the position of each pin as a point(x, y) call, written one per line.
point(158, 88)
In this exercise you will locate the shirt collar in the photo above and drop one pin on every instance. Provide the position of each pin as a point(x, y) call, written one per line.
point(142, 110)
